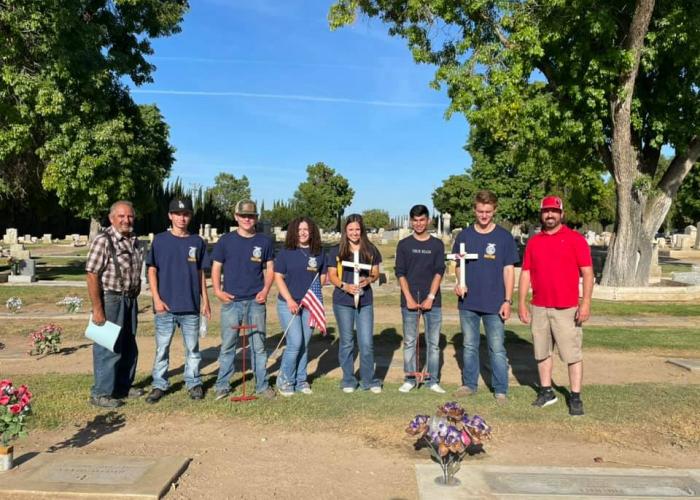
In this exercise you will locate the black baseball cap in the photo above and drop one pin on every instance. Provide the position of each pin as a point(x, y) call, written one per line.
point(181, 205)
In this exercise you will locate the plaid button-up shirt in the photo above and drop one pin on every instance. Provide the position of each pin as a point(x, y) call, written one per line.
point(130, 254)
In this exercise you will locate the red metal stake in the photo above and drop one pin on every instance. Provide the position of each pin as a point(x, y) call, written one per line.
point(420, 376)
point(241, 331)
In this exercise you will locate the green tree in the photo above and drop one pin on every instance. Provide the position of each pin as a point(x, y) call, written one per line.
point(455, 197)
point(69, 122)
point(585, 83)
point(281, 213)
point(376, 218)
point(228, 191)
point(323, 196)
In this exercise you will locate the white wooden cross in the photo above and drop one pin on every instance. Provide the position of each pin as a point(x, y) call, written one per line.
point(356, 266)
point(462, 257)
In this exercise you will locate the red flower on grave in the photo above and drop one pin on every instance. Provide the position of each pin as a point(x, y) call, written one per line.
point(15, 409)
point(4, 399)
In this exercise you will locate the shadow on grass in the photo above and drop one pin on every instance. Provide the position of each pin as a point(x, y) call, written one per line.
point(70, 350)
point(74, 269)
point(101, 425)
point(520, 357)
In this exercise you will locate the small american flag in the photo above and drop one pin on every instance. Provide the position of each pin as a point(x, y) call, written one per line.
point(313, 301)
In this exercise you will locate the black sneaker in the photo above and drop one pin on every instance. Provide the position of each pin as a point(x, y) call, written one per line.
point(545, 398)
point(105, 402)
point(576, 407)
point(197, 392)
point(222, 393)
point(155, 395)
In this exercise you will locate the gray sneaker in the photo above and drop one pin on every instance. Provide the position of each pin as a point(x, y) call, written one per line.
point(155, 395)
point(222, 393)
point(545, 398)
point(464, 391)
point(268, 393)
point(105, 402)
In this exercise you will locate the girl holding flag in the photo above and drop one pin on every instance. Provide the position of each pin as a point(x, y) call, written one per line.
point(299, 269)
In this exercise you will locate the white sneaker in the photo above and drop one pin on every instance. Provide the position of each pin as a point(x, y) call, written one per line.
point(286, 392)
point(348, 390)
point(406, 387)
point(375, 390)
point(306, 390)
point(437, 388)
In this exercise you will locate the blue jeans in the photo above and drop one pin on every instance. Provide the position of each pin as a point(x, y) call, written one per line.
point(244, 312)
point(495, 335)
point(362, 318)
point(292, 373)
point(115, 371)
point(433, 322)
point(165, 324)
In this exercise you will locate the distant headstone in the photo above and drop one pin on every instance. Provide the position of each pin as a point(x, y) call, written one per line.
point(690, 364)
point(661, 242)
point(591, 238)
point(207, 232)
point(27, 238)
point(150, 237)
point(446, 218)
point(10, 237)
point(697, 237)
point(516, 231)
point(46, 238)
point(27, 271)
point(94, 476)
point(607, 236)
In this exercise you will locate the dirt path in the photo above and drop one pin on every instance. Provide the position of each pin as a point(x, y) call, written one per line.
point(235, 460)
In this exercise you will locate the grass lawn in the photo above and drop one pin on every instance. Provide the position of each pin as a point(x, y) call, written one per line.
point(624, 413)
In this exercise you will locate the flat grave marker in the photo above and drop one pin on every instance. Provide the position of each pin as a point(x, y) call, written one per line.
point(690, 364)
point(59, 475)
point(493, 481)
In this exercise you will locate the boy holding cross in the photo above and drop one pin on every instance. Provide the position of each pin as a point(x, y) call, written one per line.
point(486, 294)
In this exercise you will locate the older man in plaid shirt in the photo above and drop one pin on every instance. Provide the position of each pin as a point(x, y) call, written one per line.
point(114, 281)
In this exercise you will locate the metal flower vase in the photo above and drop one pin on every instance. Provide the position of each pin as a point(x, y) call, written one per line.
point(6, 458)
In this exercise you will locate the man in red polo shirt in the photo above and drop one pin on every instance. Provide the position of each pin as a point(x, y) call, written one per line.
point(554, 259)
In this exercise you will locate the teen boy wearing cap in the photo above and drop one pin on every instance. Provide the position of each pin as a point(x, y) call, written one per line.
point(246, 260)
point(487, 296)
point(180, 295)
point(553, 260)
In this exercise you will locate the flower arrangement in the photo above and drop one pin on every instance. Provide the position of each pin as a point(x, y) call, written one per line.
point(46, 339)
point(450, 435)
point(14, 304)
point(14, 409)
point(15, 265)
point(72, 304)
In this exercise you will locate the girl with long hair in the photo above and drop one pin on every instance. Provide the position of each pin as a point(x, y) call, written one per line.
point(349, 313)
point(297, 266)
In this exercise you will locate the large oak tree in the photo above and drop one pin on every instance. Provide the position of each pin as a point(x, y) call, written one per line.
point(573, 82)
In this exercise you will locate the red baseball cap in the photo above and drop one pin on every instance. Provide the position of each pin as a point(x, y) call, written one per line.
point(551, 202)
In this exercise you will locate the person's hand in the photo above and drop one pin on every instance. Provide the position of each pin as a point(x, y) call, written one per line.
point(460, 291)
point(205, 310)
point(352, 289)
point(261, 297)
point(98, 316)
point(160, 307)
point(411, 304)
point(292, 306)
point(365, 282)
point(427, 304)
point(583, 313)
point(224, 297)
point(524, 314)
point(504, 311)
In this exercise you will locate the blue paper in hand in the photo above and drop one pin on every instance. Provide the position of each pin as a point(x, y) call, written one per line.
point(104, 335)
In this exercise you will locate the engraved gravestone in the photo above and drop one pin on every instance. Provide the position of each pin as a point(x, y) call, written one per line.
point(94, 476)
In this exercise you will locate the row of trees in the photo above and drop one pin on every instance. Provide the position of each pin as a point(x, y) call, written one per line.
point(570, 90)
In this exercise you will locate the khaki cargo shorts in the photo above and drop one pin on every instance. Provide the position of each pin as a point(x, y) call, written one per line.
point(551, 326)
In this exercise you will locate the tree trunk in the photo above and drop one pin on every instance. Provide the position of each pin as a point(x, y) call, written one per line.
point(94, 228)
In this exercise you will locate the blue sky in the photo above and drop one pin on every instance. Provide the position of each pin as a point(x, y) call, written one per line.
point(263, 88)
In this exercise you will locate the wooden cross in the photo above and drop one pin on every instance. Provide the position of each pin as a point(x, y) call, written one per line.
point(462, 257)
point(356, 266)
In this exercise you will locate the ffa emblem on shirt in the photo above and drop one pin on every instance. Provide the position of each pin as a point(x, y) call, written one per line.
point(257, 254)
point(192, 254)
point(490, 251)
point(312, 265)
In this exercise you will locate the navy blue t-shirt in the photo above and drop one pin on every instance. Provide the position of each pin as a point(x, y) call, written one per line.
point(299, 268)
point(343, 298)
point(484, 276)
point(243, 261)
point(419, 262)
point(178, 261)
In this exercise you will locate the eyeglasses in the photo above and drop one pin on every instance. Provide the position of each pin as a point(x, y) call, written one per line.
point(247, 216)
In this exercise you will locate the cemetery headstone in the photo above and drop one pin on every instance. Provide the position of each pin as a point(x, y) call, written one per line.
point(207, 232)
point(697, 237)
point(10, 236)
point(46, 238)
point(446, 218)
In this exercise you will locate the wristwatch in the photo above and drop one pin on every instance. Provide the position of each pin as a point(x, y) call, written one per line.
point(510, 301)
point(431, 296)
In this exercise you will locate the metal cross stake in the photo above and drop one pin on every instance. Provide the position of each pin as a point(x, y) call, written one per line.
point(356, 266)
point(420, 376)
point(462, 257)
point(242, 331)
